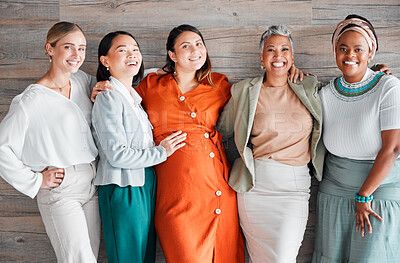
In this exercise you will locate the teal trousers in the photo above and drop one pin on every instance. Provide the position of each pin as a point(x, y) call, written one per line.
point(127, 215)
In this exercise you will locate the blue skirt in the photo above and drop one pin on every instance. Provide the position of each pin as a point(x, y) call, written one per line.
point(336, 237)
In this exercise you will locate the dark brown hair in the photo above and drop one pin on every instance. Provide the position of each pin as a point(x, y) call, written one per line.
point(204, 71)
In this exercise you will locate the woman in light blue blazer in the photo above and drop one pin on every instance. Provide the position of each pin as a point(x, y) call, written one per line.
point(123, 135)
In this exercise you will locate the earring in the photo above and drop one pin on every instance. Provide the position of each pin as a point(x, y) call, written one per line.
point(50, 59)
point(262, 67)
point(107, 68)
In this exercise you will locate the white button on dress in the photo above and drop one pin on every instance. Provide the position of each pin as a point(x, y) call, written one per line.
point(206, 135)
point(182, 98)
point(212, 155)
point(193, 114)
point(218, 193)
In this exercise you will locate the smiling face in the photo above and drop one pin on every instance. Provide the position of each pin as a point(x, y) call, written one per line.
point(190, 53)
point(124, 58)
point(277, 56)
point(68, 53)
point(352, 56)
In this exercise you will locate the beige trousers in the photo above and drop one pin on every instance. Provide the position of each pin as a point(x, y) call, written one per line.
point(70, 214)
point(274, 214)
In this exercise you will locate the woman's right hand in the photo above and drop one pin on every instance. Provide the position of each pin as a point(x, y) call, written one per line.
point(99, 87)
point(173, 142)
point(52, 178)
point(295, 73)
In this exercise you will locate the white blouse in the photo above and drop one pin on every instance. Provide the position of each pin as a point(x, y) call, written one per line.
point(353, 124)
point(44, 128)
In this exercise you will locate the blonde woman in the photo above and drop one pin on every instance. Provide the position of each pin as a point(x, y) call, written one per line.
point(47, 150)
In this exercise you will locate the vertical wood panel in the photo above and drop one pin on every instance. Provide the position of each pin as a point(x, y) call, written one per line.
point(231, 29)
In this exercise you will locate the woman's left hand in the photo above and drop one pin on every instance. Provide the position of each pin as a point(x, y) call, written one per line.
point(362, 217)
point(383, 68)
point(295, 73)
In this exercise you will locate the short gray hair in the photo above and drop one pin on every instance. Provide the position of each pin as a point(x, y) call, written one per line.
point(280, 30)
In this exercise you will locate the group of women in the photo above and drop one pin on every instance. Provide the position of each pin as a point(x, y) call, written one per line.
point(176, 120)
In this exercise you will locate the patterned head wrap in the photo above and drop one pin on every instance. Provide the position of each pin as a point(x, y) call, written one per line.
point(360, 26)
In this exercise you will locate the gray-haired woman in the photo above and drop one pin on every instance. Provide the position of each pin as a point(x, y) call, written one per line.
point(277, 130)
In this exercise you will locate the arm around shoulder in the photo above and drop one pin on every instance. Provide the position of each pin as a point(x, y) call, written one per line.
point(226, 119)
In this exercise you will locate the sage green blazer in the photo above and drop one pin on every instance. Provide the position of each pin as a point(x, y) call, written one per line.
point(237, 120)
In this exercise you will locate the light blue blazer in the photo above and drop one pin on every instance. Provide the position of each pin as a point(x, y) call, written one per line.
point(123, 137)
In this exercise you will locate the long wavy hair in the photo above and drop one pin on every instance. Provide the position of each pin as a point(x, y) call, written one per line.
point(204, 71)
point(104, 47)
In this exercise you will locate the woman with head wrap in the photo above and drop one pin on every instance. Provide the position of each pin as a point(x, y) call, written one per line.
point(359, 192)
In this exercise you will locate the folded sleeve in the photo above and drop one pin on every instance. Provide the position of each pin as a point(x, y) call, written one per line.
point(12, 136)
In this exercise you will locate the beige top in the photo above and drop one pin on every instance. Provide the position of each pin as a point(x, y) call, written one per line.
point(282, 127)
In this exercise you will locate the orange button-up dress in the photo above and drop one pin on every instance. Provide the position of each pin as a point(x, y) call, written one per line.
point(196, 214)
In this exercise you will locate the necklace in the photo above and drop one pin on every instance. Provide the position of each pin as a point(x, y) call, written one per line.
point(58, 88)
point(355, 91)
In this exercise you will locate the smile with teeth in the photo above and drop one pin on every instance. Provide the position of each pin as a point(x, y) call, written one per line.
point(194, 59)
point(278, 64)
point(134, 63)
point(73, 63)
point(350, 63)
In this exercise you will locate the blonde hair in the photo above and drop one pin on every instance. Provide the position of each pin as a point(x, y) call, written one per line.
point(58, 31)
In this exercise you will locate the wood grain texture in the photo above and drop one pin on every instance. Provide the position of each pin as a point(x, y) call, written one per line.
point(231, 29)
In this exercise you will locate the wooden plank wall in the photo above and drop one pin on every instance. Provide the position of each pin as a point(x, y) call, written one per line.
point(231, 29)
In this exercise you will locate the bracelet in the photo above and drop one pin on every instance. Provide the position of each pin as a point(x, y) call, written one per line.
point(364, 199)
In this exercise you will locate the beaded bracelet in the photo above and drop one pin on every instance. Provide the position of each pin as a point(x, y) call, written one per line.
point(364, 199)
